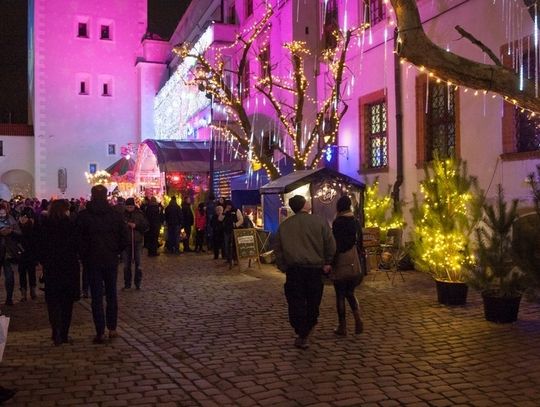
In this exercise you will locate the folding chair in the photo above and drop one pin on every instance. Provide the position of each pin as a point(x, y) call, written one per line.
point(392, 253)
point(371, 241)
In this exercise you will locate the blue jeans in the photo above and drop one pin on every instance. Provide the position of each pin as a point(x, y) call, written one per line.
point(98, 277)
point(129, 256)
point(9, 279)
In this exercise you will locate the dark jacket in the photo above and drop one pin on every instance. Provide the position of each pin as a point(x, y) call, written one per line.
point(57, 247)
point(173, 214)
point(347, 232)
point(154, 216)
point(141, 224)
point(103, 234)
point(28, 240)
point(187, 215)
point(218, 227)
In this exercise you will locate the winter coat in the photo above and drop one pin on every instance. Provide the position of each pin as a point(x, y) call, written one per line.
point(141, 224)
point(8, 222)
point(173, 214)
point(187, 214)
point(154, 216)
point(218, 227)
point(200, 220)
point(103, 234)
point(29, 242)
point(233, 220)
point(346, 231)
point(57, 247)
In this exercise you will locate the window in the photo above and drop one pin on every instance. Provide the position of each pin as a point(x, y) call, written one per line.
point(249, 8)
point(111, 149)
point(106, 90)
point(105, 32)
point(264, 60)
point(245, 81)
point(83, 88)
point(82, 31)
point(92, 168)
point(437, 120)
point(232, 15)
point(374, 11)
point(1, 148)
point(105, 82)
point(376, 135)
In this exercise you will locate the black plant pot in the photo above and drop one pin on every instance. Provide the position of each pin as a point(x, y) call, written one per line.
point(502, 310)
point(451, 293)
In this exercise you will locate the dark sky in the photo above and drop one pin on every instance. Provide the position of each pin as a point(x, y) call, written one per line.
point(163, 16)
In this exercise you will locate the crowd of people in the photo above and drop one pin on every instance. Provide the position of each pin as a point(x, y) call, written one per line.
point(59, 238)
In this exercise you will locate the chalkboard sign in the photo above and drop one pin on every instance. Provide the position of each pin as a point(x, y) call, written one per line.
point(247, 246)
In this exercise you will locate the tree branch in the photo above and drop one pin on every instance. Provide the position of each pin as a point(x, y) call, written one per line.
point(479, 44)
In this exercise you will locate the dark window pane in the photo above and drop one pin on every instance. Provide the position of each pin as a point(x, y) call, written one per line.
point(527, 127)
point(376, 137)
point(440, 122)
point(105, 32)
point(374, 11)
point(249, 7)
point(82, 88)
point(1, 148)
point(232, 14)
point(83, 30)
point(105, 89)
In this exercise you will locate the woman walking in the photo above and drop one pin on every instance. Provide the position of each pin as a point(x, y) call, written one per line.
point(58, 255)
point(348, 236)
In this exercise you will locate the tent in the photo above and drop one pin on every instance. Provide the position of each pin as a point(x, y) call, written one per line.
point(322, 186)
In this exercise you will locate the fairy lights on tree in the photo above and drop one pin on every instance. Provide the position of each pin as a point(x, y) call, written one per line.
point(300, 137)
point(379, 210)
point(445, 219)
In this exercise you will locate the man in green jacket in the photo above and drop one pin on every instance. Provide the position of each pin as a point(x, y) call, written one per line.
point(305, 248)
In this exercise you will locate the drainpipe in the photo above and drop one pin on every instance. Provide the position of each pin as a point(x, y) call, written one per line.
point(399, 123)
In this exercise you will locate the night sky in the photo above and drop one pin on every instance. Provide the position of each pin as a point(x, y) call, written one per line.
point(163, 16)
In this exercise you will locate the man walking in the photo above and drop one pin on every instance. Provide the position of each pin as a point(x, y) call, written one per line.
point(103, 236)
point(174, 221)
point(304, 250)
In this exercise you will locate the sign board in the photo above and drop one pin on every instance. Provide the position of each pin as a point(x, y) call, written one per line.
point(247, 245)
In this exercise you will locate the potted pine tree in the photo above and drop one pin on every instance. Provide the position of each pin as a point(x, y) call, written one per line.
point(443, 222)
point(495, 273)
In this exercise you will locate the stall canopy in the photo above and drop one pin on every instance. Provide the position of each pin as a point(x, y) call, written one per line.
point(122, 166)
point(192, 156)
point(296, 179)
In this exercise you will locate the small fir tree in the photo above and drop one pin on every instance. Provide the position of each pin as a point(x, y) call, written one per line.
point(495, 270)
point(445, 219)
point(379, 211)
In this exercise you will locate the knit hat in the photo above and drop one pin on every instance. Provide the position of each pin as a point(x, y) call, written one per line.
point(344, 204)
point(297, 203)
point(130, 202)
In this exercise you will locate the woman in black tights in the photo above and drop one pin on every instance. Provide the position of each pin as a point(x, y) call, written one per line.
point(348, 234)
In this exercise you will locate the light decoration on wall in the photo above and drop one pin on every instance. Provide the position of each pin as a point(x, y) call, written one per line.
point(101, 177)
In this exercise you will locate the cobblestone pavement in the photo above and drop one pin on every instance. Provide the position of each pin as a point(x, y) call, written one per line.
point(198, 334)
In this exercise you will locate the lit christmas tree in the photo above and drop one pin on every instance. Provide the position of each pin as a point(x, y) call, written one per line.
point(445, 219)
point(379, 212)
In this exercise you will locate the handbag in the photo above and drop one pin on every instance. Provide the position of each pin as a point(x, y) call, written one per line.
point(347, 265)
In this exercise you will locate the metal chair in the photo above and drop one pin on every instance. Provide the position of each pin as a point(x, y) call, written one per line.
point(392, 253)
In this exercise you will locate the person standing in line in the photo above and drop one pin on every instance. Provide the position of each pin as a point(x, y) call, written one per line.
point(9, 231)
point(103, 237)
point(58, 256)
point(348, 234)
point(174, 221)
point(28, 261)
point(188, 221)
point(218, 232)
point(304, 250)
point(137, 226)
point(155, 219)
point(200, 227)
point(210, 213)
point(233, 220)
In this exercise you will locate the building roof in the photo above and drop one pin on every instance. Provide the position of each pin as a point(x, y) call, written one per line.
point(10, 129)
point(192, 156)
point(296, 179)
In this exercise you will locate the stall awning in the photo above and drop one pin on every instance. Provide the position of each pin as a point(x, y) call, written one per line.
point(296, 179)
point(121, 167)
point(192, 156)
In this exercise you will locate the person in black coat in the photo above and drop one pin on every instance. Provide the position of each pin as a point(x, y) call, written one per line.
point(174, 220)
point(188, 221)
point(57, 253)
point(154, 216)
point(28, 260)
point(348, 234)
point(103, 236)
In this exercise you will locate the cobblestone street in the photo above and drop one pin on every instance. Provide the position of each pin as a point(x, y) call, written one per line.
point(198, 334)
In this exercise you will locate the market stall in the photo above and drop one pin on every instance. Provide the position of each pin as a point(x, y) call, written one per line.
point(322, 187)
